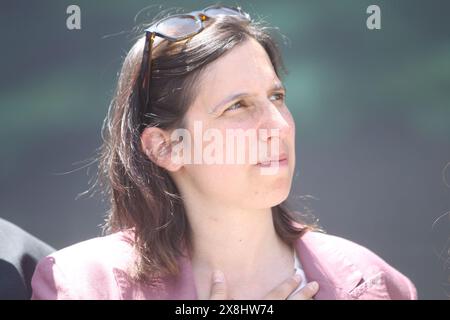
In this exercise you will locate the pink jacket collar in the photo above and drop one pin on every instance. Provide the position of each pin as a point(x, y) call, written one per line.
point(321, 259)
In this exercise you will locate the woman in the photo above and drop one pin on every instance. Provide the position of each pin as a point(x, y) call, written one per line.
point(189, 220)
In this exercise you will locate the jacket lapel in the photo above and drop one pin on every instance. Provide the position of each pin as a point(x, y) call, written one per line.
point(181, 287)
point(324, 261)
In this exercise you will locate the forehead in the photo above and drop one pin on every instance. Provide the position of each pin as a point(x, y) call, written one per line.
point(246, 67)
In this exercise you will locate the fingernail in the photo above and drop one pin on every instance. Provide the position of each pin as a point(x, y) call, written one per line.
point(314, 285)
point(218, 276)
point(297, 277)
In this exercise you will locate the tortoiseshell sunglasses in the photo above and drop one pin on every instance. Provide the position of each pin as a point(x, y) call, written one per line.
point(176, 28)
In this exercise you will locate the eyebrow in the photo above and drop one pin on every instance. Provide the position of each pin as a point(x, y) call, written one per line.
point(275, 87)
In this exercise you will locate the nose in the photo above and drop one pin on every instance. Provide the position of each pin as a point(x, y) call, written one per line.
point(274, 120)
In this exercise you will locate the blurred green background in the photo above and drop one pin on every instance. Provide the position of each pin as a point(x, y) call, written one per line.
point(372, 109)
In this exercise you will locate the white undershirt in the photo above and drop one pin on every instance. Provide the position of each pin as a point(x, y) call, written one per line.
point(298, 270)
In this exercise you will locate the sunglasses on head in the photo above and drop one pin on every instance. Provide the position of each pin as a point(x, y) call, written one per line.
point(176, 28)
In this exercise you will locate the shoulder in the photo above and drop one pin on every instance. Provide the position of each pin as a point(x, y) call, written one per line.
point(367, 261)
point(83, 270)
point(99, 250)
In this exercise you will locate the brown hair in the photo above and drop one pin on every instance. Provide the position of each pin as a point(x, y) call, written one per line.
point(142, 195)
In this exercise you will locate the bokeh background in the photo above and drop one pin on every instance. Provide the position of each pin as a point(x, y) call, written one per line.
point(372, 109)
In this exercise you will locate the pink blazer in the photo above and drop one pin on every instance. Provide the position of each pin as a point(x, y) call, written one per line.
point(95, 269)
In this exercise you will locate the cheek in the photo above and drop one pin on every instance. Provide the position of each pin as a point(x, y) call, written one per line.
point(290, 121)
point(290, 138)
point(219, 181)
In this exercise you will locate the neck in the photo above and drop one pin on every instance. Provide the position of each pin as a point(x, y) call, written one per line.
point(242, 243)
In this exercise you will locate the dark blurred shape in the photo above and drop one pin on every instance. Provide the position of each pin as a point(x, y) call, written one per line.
point(19, 253)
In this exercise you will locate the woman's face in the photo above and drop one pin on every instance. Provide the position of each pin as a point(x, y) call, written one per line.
point(260, 112)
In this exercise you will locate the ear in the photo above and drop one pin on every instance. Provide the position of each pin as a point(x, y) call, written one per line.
point(156, 144)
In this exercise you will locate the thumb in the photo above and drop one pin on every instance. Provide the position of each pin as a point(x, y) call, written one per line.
point(218, 287)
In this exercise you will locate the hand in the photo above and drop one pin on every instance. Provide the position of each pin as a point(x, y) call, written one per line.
point(280, 292)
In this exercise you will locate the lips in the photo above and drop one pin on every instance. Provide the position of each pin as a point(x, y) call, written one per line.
point(280, 159)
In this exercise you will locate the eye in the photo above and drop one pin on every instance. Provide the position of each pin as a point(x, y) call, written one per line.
point(236, 106)
point(279, 96)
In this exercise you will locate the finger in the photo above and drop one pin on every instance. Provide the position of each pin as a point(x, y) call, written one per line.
point(282, 291)
point(307, 292)
point(218, 287)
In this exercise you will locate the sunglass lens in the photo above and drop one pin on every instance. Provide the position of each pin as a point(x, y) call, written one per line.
point(178, 26)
